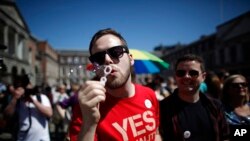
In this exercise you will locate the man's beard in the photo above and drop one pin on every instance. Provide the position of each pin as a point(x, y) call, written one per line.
point(117, 82)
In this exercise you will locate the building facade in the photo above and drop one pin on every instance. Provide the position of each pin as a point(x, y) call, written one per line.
point(15, 34)
point(72, 66)
point(25, 54)
point(228, 49)
point(48, 61)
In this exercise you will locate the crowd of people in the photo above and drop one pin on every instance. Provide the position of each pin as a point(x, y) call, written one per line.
point(193, 104)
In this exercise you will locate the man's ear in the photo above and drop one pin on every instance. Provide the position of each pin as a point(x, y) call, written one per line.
point(131, 59)
point(204, 75)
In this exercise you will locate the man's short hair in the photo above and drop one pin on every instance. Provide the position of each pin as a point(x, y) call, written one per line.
point(103, 32)
point(191, 57)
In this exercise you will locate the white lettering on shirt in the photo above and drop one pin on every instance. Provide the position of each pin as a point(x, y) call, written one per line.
point(139, 123)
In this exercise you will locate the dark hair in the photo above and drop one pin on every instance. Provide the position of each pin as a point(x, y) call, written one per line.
point(21, 81)
point(103, 32)
point(213, 85)
point(191, 57)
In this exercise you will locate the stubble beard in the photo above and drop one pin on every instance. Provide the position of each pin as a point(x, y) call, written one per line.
point(121, 80)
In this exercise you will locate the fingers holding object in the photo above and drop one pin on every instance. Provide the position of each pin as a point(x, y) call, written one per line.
point(92, 93)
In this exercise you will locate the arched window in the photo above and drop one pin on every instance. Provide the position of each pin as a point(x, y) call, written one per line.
point(23, 72)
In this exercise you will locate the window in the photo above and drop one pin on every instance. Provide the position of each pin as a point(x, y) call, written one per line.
point(246, 50)
point(11, 39)
point(69, 60)
point(233, 54)
point(20, 47)
point(76, 60)
point(222, 57)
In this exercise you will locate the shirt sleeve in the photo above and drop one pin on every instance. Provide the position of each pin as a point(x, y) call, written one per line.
point(45, 100)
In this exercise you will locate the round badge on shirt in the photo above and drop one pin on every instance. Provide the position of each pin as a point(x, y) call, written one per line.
point(187, 134)
point(148, 103)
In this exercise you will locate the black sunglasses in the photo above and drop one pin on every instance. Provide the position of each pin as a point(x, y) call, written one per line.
point(182, 73)
point(239, 85)
point(115, 52)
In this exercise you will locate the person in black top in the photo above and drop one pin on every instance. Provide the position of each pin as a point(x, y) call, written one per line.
point(188, 114)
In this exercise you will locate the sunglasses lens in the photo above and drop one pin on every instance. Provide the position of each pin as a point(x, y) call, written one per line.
point(115, 52)
point(193, 73)
point(180, 73)
point(98, 58)
point(239, 85)
point(244, 84)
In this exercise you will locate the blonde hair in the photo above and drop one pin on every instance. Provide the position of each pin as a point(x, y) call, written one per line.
point(225, 96)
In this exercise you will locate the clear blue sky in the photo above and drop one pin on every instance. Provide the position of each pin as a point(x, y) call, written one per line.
point(70, 24)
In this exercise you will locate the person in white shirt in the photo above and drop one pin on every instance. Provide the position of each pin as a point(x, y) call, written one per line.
point(33, 111)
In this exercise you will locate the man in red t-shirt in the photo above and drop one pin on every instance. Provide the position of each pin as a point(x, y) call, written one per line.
point(116, 109)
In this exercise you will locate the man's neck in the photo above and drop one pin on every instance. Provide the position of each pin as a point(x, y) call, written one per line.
point(190, 97)
point(127, 90)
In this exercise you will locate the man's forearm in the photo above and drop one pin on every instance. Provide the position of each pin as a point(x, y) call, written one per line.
point(87, 133)
point(10, 109)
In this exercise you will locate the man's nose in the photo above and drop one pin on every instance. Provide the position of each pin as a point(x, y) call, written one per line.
point(187, 75)
point(108, 59)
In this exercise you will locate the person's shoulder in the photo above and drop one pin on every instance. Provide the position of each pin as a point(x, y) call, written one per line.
point(211, 99)
point(171, 99)
point(214, 101)
point(44, 99)
point(145, 91)
point(144, 88)
point(169, 105)
point(43, 96)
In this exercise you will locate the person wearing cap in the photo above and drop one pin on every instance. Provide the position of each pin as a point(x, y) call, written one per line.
point(188, 114)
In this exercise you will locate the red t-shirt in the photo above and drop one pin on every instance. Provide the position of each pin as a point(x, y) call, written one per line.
point(76, 122)
point(135, 118)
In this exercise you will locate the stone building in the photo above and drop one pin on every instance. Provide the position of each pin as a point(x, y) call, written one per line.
point(72, 64)
point(226, 49)
point(47, 70)
point(25, 54)
point(15, 34)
